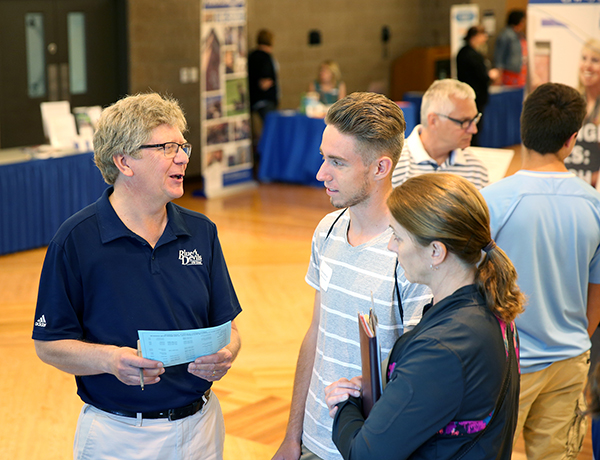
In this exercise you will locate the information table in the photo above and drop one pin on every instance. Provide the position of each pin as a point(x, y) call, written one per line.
point(289, 148)
point(38, 195)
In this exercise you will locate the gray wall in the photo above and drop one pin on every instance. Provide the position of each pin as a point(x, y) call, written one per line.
point(164, 36)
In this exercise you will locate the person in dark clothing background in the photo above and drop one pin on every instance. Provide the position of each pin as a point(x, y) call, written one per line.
point(262, 76)
point(472, 69)
point(263, 87)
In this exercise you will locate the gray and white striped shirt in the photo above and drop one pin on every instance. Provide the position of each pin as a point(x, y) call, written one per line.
point(415, 161)
point(346, 276)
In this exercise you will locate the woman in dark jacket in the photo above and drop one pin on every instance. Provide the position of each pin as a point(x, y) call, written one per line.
point(453, 381)
point(472, 69)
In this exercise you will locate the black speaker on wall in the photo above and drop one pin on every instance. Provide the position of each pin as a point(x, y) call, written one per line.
point(314, 37)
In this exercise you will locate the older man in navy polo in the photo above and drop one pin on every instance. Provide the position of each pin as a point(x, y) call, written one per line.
point(135, 261)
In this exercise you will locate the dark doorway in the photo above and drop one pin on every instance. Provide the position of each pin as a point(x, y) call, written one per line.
point(54, 50)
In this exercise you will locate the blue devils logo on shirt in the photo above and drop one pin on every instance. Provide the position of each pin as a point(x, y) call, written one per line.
point(190, 257)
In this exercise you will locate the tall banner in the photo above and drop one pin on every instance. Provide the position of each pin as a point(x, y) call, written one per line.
point(563, 39)
point(462, 18)
point(225, 107)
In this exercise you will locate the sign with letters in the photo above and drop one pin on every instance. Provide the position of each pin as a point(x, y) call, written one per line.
point(561, 36)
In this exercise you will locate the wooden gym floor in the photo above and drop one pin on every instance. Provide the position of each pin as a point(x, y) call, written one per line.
point(265, 234)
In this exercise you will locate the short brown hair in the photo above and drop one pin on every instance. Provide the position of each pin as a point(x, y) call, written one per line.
point(264, 37)
point(376, 123)
point(448, 208)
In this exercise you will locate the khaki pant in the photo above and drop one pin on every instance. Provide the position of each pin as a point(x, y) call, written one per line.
point(550, 409)
point(101, 436)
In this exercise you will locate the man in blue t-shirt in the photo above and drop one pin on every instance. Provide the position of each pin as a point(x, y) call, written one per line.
point(135, 261)
point(548, 222)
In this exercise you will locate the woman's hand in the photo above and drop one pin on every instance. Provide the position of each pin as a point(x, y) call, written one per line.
point(340, 390)
point(495, 75)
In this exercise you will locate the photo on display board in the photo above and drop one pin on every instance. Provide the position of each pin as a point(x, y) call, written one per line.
point(241, 129)
point(211, 61)
point(214, 107)
point(229, 61)
point(236, 96)
point(217, 134)
point(214, 157)
point(230, 35)
point(241, 41)
point(241, 155)
point(244, 153)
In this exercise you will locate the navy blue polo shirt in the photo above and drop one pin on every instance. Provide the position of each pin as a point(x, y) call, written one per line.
point(102, 283)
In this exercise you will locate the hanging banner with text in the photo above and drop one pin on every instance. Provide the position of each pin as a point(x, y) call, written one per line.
point(563, 39)
point(225, 108)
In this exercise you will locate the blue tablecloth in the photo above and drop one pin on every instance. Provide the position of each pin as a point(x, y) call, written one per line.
point(415, 98)
point(289, 146)
point(501, 122)
point(37, 196)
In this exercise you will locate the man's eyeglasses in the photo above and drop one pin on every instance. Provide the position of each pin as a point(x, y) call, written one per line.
point(170, 149)
point(464, 124)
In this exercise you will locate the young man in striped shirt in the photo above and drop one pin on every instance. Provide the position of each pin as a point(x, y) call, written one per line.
point(441, 143)
point(349, 265)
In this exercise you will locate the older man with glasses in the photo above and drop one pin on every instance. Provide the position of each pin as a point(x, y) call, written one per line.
point(136, 261)
point(441, 142)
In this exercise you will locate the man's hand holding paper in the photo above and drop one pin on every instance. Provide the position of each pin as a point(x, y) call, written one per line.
point(210, 352)
point(212, 367)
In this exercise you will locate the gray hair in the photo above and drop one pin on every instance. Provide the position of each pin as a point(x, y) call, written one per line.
point(129, 123)
point(437, 97)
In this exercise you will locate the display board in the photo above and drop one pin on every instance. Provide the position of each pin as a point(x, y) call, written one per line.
point(563, 39)
point(225, 108)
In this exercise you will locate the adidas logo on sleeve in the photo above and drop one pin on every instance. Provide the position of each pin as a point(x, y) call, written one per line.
point(41, 322)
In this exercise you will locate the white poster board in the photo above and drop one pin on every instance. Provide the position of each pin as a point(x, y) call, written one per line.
point(558, 32)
